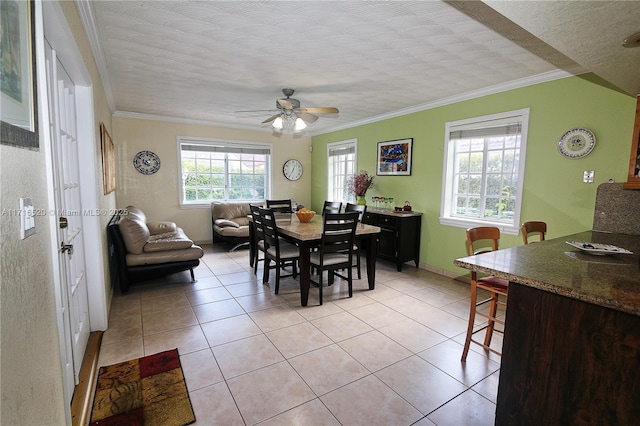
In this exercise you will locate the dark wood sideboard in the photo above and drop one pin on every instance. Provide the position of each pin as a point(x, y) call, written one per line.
point(399, 239)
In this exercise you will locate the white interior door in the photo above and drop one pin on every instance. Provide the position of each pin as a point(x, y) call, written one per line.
point(69, 214)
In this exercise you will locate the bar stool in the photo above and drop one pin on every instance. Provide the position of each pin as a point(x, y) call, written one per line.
point(495, 286)
point(533, 227)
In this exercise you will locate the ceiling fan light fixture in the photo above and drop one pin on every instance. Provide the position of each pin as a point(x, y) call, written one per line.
point(300, 125)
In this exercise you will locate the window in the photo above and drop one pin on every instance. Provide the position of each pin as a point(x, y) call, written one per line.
point(222, 170)
point(341, 164)
point(484, 170)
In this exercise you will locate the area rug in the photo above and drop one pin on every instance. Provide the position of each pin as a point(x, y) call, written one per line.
point(145, 391)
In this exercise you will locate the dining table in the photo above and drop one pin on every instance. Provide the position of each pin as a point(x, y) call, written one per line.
point(307, 236)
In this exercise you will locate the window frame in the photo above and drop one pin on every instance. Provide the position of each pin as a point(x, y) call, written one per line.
point(224, 143)
point(348, 143)
point(447, 217)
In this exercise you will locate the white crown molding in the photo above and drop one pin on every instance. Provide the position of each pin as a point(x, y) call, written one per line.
point(154, 117)
point(87, 16)
point(491, 90)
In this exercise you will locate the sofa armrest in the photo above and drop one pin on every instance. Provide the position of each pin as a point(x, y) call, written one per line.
point(161, 227)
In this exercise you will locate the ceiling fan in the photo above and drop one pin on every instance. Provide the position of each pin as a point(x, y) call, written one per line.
point(290, 116)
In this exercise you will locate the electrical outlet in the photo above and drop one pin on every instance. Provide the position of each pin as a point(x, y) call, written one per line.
point(588, 175)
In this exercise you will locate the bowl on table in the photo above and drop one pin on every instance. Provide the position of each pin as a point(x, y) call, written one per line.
point(305, 216)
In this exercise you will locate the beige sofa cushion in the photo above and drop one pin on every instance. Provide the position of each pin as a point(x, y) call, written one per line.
point(230, 210)
point(191, 253)
point(134, 233)
point(161, 227)
point(168, 241)
point(225, 223)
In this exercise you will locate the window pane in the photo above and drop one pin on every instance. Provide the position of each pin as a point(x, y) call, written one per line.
point(475, 184)
point(476, 162)
point(463, 162)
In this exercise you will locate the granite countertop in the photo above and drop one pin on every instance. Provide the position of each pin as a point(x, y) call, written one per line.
point(612, 281)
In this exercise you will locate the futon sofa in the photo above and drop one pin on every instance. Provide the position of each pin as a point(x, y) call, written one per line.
point(141, 250)
point(230, 222)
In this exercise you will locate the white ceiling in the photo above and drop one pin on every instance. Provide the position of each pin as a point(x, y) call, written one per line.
point(205, 60)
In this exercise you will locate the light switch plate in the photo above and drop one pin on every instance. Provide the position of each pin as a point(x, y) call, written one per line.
point(27, 219)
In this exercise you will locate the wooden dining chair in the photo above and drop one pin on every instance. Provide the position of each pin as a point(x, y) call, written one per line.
point(280, 206)
point(533, 227)
point(331, 207)
point(336, 249)
point(497, 287)
point(277, 250)
point(361, 209)
point(259, 237)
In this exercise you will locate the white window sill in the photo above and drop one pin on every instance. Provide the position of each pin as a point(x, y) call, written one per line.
point(505, 228)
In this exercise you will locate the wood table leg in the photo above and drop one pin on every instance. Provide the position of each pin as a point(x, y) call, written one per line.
point(305, 271)
point(371, 248)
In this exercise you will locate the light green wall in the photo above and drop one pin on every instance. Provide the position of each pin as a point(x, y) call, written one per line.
point(553, 188)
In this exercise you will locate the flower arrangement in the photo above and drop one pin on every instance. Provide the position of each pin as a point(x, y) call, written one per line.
point(360, 183)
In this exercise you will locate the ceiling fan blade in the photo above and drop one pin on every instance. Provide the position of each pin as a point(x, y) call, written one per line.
point(308, 118)
point(257, 110)
point(285, 104)
point(270, 119)
point(321, 110)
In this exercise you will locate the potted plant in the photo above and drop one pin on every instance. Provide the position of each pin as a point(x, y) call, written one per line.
point(359, 184)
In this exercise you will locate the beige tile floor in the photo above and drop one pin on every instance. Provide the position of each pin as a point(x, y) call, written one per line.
point(390, 356)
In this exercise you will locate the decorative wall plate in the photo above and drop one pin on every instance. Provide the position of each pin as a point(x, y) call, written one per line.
point(146, 162)
point(576, 143)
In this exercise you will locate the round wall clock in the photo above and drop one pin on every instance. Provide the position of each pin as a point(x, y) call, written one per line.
point(576, 143)
point(292, 169)
point(146, 162)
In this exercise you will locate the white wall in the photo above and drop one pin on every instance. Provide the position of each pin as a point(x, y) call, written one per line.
point(158, 194)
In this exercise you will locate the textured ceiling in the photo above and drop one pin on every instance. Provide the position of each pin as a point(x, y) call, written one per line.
point(206, 60)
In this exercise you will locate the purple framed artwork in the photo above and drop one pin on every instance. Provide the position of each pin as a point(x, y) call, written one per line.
point(394, 157)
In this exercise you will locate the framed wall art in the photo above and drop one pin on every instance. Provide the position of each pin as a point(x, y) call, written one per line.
point(633, 178)
point(108, 161)
point(394, 157)
point(18, 96)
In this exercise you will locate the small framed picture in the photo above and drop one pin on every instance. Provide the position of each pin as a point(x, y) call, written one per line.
point(394, 157)
point(108, 161)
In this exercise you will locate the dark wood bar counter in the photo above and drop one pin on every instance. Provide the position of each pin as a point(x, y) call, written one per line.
point(571, 349)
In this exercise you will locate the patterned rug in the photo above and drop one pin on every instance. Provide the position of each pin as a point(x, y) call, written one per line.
point(145, 391)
